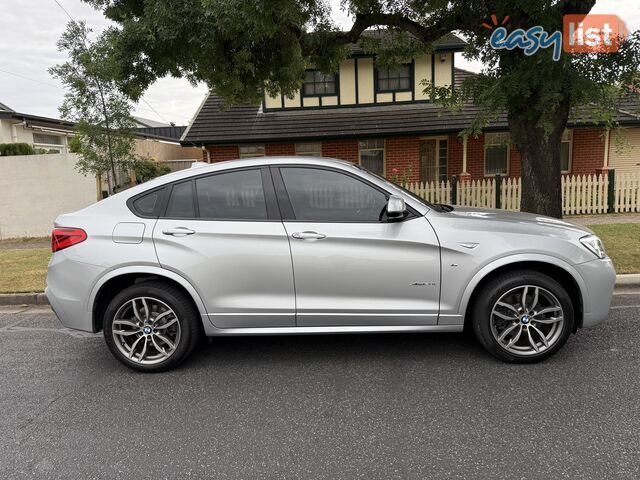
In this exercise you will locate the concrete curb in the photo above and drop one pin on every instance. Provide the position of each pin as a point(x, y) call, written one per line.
point(628, 281)
point(36, 298)
point(623, 282)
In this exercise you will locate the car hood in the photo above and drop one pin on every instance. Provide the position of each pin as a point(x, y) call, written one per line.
point(507, 220)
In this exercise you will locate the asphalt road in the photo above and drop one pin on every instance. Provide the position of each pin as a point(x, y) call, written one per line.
point(373, 406)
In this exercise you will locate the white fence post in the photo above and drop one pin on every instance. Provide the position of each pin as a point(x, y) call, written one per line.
point(581, 194)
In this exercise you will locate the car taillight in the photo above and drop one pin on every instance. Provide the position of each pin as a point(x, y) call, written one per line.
point(65, 237)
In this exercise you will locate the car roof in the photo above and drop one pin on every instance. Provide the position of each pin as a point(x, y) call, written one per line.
point(280, 160)
point(200, 168)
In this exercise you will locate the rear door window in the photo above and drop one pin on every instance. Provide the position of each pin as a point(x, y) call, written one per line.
point(235, 195)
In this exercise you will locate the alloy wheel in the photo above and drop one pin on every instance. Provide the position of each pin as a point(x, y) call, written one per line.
point(146, 330)
point(527, 320)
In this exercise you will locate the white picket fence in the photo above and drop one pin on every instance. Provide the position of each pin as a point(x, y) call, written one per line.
point(581, 194)
point(627, 193)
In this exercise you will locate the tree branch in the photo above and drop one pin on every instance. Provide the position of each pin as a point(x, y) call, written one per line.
point(425, 33)
point(576, 6)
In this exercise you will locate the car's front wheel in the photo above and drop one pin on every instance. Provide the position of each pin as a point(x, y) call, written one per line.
point(151, 326)
point(523, 316)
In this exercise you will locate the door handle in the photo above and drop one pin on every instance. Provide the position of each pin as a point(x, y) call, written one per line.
point(309, 236)
point(178, 231)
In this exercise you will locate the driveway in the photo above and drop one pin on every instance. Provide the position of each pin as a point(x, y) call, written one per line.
point(371, 407)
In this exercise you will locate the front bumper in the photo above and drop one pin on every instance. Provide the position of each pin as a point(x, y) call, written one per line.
point(599, 278)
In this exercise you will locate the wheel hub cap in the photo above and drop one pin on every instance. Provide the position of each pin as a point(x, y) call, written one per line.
point(146, 330)
point(527, 320)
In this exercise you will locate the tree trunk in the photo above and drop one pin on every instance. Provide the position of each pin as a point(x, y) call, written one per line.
point(540, 160)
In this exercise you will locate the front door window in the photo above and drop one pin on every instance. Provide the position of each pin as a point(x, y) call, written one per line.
point(319, 195)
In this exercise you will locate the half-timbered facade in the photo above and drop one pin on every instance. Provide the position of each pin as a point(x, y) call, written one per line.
point(381, 118)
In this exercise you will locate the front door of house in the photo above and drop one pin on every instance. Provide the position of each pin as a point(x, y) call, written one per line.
point(433, 159)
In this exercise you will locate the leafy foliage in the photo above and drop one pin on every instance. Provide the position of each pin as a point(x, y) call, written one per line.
point(146, 169)
point(237, 47)
point(104, 126)
point(74, 145)
point(10, 149)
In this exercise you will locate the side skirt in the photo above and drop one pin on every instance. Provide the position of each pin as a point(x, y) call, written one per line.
point(332, 330)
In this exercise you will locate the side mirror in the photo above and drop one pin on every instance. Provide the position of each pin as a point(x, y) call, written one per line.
point(396, 207)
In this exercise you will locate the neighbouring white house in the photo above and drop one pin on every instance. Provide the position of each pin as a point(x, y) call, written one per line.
point(156, 140)
point(35, 189)
point(40, 132)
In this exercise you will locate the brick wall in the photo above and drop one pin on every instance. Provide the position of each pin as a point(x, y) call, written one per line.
point(402, 154)
point(514, 162)
point(341, 149)
point(220, 153)
point(587, 154)
point(588, 151)
point(475, 157)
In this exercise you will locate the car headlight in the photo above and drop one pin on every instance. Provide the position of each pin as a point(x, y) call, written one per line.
point(594, 245)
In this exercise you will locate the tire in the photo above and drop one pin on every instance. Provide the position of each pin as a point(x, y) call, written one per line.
point(160, 318)
point(522, 334)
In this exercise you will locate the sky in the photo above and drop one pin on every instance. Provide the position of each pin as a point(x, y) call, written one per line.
point(29, 30)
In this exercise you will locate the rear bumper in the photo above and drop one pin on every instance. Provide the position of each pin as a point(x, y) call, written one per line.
point(68, 287)
point(599, 277)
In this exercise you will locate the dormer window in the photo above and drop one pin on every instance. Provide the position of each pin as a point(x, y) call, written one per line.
point(393, 79)
point(317, 84)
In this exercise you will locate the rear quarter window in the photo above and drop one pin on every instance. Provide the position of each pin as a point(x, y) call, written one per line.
point(147, 205)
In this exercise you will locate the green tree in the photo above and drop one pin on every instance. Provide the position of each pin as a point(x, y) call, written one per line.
point(146, 169)
point(104, 126)
point(238, 47)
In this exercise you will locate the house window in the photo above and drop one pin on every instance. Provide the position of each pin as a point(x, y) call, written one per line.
point(317, 83)
point(248, 151)
point(309, 149)
point(496, 154)
point(393, 79)
point(434, 153)
point(46, 139)
point(48, 142)
point(372, 155)
point(565, 151)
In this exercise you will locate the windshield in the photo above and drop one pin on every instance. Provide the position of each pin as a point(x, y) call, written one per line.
point(404, 190)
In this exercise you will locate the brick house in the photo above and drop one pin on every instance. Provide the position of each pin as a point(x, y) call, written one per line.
point(381, 119)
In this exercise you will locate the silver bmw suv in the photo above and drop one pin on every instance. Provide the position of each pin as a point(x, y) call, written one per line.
point(284, 245)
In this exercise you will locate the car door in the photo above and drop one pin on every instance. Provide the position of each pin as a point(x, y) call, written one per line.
point(223, 233)
point(352, 266)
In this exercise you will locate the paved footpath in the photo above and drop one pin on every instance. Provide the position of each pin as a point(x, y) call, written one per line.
point(405, 406)
point(604, 219)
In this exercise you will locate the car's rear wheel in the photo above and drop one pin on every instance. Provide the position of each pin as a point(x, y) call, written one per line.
point(523, 316)
point(151, 327)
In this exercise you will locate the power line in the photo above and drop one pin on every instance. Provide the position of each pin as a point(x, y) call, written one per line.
point(64, 10)
point(151, 109)
point(154, 110)
point(170, 114)
point(30, 79)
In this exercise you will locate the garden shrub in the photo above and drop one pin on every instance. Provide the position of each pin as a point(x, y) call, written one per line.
point(10, 149)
